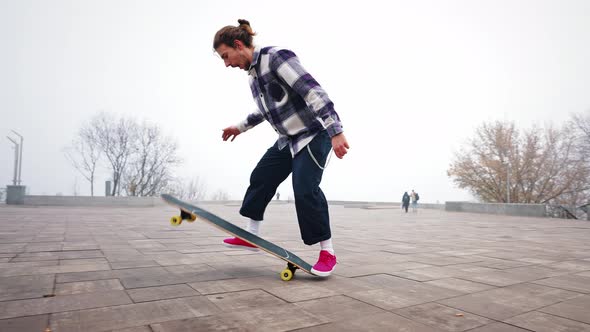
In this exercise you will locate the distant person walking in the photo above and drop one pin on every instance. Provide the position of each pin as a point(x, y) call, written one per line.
point(278, 195)
point(405, 201)
point(415, 197)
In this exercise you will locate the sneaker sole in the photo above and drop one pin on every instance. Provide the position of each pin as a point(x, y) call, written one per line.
point(321, 274)
point(233, 246)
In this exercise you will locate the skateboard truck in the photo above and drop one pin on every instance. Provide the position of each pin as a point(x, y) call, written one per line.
point(177, 220)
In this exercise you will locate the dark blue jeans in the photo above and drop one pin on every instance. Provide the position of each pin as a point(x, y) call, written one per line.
point(310, 202)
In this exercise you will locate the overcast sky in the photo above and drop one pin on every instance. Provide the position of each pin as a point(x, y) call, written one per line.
point(411, 80)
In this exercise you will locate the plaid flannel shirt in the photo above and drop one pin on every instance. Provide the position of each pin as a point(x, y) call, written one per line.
point(289, 98)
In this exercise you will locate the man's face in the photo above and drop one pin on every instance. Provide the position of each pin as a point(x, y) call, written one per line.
point(234, 57)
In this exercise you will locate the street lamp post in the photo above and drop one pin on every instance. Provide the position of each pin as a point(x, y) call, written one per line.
point(20, 157)
point(16, 148)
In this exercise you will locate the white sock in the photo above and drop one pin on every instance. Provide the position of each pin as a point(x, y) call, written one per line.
point(327, 245)
point(253, 226)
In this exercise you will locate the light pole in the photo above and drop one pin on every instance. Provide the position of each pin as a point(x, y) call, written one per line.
point(20, 157)
point(16, 149)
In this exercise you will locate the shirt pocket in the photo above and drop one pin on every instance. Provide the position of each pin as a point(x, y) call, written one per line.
point(275, 93)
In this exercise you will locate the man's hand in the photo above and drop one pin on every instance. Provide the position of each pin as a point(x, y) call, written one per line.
point(229, 132)
point(340, 145)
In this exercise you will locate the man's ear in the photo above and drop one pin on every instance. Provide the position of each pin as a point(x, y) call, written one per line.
point(238, 44)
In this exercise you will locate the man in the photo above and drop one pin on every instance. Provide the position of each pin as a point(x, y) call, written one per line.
point(302, 114)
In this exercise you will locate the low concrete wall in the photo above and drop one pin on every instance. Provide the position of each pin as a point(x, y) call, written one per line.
point(523, 210)
point(92, 201)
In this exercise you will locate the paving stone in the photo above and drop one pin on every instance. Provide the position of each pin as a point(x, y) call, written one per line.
point(133, 264)
point(509, 301)
point(132, 315)
point(26, 287)
point(88, 287)
point(6, 272)
point(229, 285)
point(85, 276)
point(541, 322)
point(336, 308)
point(443, 317)
point(300, 292)
point(385, 322)
point(576, 283)
point(24, 324)
point(576, 309)
point(134, 329)
point(244, 299)
point(161, 293)
point(380, 268)
point(459, 285)
point(62, 303)
point(498, 327)
point(275, 318)
point(83, 261)
point(394, 293)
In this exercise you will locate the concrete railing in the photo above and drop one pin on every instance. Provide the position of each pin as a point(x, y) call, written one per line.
point(523, 210)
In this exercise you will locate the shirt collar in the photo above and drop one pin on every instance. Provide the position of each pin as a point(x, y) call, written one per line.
point(255, 57)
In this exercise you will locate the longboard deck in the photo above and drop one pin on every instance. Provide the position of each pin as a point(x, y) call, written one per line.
point(241, 233)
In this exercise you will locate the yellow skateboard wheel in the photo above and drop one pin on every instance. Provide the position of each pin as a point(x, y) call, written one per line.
point(175, 221)
point(286, 275)
point(192, 218)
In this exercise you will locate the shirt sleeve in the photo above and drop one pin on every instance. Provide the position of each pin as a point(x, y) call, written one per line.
point(251, 121)
point(288, 68)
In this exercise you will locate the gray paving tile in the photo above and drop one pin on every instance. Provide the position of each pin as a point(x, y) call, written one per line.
point(133, 264)
point(293, 292)
point(542, 322)
point(576, 309)
point(19, 308)
point(498, 327)
point(24, 324)
point(134, 329)
point(576, 283)
point(244, 299)
point(336, 308)
point(394, 293)
point(88, 287)
point(26, 287)
point(85, 276)
point(385, 322)
point(464, 286)
point(509, 301)
point(275, 318)
point(132, 315)
point(161, 293)
point(443, 317)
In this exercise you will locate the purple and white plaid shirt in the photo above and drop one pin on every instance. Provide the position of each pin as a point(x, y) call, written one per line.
point(289, 98)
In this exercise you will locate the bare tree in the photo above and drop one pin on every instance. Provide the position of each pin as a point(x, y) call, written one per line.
point(220, 195)
point(84, 154)
point(116, 138)
point(501, 164)
point(194, 189)
point(149, 168)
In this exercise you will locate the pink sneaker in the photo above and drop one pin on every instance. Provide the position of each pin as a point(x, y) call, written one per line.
point(325, 264)
point(235, 242)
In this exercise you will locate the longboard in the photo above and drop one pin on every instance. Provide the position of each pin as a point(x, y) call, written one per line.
point(191, 213)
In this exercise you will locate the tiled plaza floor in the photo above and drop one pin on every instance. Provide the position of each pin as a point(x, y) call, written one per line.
point(127, 269)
